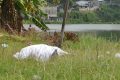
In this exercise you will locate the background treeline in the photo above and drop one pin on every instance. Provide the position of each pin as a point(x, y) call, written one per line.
point(105, 14)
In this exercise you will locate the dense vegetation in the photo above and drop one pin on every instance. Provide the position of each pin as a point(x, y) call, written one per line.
point(106, 14)
point(92, 58)
point(13, 12)
point(109, 12)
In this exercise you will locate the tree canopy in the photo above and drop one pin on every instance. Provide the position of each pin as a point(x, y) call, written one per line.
point(14, 11)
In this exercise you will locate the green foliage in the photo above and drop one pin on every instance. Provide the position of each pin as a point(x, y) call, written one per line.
point(90, 17)
point(109, 13)
point(61, 3)
point(40, 24)
point(32, 10)
point(106, 14)
point(81, 17)
point(91, 58)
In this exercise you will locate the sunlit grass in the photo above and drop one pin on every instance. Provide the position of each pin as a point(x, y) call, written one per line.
point(91, 58)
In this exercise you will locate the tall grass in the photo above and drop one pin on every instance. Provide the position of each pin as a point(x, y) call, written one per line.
point(92, 58)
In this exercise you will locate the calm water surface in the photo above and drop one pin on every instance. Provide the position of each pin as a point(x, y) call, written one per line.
point(80, 27)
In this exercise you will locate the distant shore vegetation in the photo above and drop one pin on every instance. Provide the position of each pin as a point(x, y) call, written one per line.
point(106, 14)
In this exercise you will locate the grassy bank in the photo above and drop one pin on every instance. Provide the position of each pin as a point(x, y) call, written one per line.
point(92, 58)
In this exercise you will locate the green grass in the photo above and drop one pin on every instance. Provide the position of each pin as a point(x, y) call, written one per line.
point(88, 60)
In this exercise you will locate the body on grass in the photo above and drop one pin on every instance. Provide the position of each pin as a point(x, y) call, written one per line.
point(39, 51)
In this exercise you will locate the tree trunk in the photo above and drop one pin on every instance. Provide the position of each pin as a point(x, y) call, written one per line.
point(66, 5)
point(19, 22)
point(9, 16)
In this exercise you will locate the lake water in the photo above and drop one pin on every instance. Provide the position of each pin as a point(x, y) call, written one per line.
point(80, 27)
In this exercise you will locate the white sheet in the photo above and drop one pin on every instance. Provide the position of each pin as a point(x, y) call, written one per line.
point(39, 51)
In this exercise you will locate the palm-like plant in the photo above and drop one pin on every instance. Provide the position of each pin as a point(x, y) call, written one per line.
point(13, 12)
point(32, 9)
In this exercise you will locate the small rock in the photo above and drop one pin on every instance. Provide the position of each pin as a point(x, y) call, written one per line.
point(100, 56)
point(36, 77)
point(117, 55)
point(4, 45)
point(108, 52)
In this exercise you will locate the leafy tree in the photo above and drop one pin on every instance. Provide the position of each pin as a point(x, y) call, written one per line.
point(61, 2)
point(109, 13)
point(90, 17)
point(13, 12)
point(32, 9)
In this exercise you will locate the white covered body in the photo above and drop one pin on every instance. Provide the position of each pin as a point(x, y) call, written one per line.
point(40, 51)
